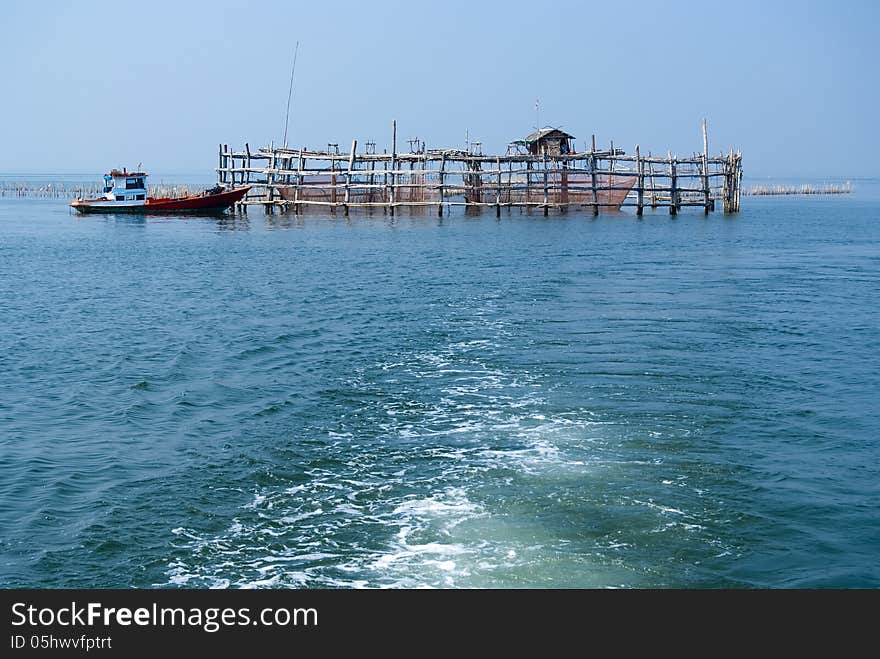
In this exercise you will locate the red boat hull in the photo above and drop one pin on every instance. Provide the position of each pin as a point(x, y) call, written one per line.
point(202, 203)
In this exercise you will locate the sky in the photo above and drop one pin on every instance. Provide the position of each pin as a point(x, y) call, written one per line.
point(88, 85)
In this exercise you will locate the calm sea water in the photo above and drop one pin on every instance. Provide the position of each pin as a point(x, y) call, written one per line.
point(526, 402)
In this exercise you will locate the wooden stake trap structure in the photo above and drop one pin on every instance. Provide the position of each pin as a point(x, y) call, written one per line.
point(541, 171)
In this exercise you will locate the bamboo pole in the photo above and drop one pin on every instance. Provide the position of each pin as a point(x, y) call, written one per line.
point(348, 175)
point(546, 200)
point(247, 148)
point(528, 195)
point(498, 189)
point(299, 180)
point(270, 181)
point(265, 154)
point(727, 183)
point(392, 195)
point(372, 180)
point(640, 200)
point(564, 188)
point(593, 185)
point(242, 206)
point(442, 181)
point(386, 193)
point(510, 198)
point(333, 186)
point(423, 196)
point(707, 200)
point(739, 175)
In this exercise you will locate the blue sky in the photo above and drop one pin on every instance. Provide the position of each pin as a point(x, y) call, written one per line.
point(91, 85)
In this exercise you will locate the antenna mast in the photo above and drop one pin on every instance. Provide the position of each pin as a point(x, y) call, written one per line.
point(290, 93)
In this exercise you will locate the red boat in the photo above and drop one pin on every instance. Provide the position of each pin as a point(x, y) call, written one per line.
point(126, 192)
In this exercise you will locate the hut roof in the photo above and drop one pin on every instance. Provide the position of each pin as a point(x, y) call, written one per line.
point(548, 131)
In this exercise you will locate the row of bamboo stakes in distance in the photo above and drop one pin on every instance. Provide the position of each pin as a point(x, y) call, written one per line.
point(593, 179)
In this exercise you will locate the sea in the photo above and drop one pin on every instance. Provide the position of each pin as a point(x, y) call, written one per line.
point(320, 401)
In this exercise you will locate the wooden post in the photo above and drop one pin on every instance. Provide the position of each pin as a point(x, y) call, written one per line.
point(725, 184)
point(423, 189)
point(563, 185)
point(739, 165)
point(640, 182)
point(247, 148)
point(739, 174)
point(546, 200)
point(393, 165)
point(593, 183)
point(736, 175)
point(498, 188)
point(739, 178)
point(372, 179)
point(732, 187)
point(673, 186)
point(707, 201)
point(332, 181)
point(731, 182)
point(510, 196)
point(354, 144)
point(299, 180)
point(242, 206)
point(528, 195)
point(442, 177)
point(270, 179)
point(386, 192)
point(593, 175)
point(412, 193)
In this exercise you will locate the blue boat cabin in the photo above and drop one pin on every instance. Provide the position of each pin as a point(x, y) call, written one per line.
point(125, 186)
